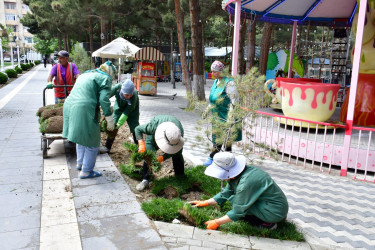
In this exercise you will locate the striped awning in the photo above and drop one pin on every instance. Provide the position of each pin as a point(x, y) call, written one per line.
point(149, 54)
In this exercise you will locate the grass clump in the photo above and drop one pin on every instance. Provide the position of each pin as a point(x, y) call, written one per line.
point(194, 179)
point(131, 169)
point(163, 209)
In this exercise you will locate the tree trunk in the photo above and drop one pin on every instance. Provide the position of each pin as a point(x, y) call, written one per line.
point(251, 45)
point(91, 40)
point(203, 52)
point(241, 50)
point(196, 38)
point(172, 62)
point(264, 49)
point(181, 43)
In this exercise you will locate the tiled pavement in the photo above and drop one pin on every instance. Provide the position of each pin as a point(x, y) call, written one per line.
point(45, 206)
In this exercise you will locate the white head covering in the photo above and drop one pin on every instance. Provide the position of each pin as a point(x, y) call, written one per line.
point(225, 166)
point(108, 68)
point(168, 138)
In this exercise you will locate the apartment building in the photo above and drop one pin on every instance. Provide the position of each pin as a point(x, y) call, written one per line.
point(11, 11)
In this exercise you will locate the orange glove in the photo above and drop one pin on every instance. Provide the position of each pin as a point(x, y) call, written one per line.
point(199, 203)
point(160, 159)
point(141, 146)
point(212, 224)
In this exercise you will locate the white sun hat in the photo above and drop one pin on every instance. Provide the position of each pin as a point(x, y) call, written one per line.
point(168, 138)
point(225, 166)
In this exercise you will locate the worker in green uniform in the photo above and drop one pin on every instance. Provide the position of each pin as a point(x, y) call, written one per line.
point(126, 108)
point(223, 97)
point(163, 132)
point(254, 195)
point(82, 115)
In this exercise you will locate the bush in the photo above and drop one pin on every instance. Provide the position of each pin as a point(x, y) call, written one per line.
point(37, 62)
point(31, 65)
point(81, 59)
point(24, 67)
point(3, 78)
point(18, 70)
point(11, 73)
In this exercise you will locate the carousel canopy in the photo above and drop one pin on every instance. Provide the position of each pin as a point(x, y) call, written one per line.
point(149, 54)
point(318, 12)
point(118, 48)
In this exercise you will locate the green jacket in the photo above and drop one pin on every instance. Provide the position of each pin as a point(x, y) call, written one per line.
point(149, 130)
point(81, 108)
point(122, 107)
point(220, 102)
point(254, 192)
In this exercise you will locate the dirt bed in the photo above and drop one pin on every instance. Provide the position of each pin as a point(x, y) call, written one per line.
point(120, 155)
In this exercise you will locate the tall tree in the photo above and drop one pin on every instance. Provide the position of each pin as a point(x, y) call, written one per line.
point(196, 41)
point(181, 43)
point(264, 48)
point(251, 44)
point(241, 47)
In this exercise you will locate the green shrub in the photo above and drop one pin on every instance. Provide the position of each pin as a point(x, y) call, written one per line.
point(36, 62)
point(80, 57)
point(18, 70)
point(3, 78)
point(31, 65)
point(11, 73)
point(24, 67)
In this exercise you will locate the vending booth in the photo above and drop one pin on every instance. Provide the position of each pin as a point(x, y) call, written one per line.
point(145, 79)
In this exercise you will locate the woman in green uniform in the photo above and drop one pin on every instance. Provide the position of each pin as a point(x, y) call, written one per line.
point(82, 115)
point(164, 132)
point(126, 108)
point(223, 97)
point(254, 195)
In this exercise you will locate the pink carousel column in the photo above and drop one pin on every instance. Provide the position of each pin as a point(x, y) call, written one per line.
point(292, 46)
point(236, 36)
point(353, 86)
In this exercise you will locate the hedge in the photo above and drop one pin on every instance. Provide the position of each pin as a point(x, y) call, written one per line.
point(11, 73)
point(3, 78)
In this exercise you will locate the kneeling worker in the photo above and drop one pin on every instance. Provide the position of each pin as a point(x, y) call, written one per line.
point(163, 132)
point(126, 108)
point(254, 195)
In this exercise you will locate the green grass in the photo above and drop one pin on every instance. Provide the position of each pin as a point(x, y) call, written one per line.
point(166, 210)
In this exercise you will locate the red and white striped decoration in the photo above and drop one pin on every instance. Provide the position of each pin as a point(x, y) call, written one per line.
point(149, 54)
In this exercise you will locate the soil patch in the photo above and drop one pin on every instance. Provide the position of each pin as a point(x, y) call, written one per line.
point(120, 155)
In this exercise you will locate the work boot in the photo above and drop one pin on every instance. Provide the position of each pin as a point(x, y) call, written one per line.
point(208, 162)
point(107, 148)
point(143, 185)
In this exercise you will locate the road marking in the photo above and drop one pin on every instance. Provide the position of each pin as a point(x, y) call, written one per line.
point(11, 94)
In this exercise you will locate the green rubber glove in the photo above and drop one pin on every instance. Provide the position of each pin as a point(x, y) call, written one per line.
point(50, 85)
point(121, 121)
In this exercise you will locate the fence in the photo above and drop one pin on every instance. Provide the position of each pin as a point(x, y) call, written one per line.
point(317, 145)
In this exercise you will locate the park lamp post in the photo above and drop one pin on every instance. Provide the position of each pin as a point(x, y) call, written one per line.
point(174, 60)
point(18, 52)
point(3, 33)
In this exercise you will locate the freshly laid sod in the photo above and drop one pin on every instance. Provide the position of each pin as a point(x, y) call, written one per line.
point(166, 210)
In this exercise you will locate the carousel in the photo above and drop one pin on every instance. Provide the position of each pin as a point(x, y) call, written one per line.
point(304, 123)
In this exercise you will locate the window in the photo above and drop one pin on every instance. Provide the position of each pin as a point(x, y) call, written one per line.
point(10, 6)
point(14, 28)
point(10, 17)
point(28, 39)
point(25, 7)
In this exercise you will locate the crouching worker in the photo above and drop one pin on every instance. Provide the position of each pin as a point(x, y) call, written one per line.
point(125, 109)
point(254, 195)
point(82, 115)
point(163, 132)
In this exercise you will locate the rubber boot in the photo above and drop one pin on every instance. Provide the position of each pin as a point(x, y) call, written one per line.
point(107, 147)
